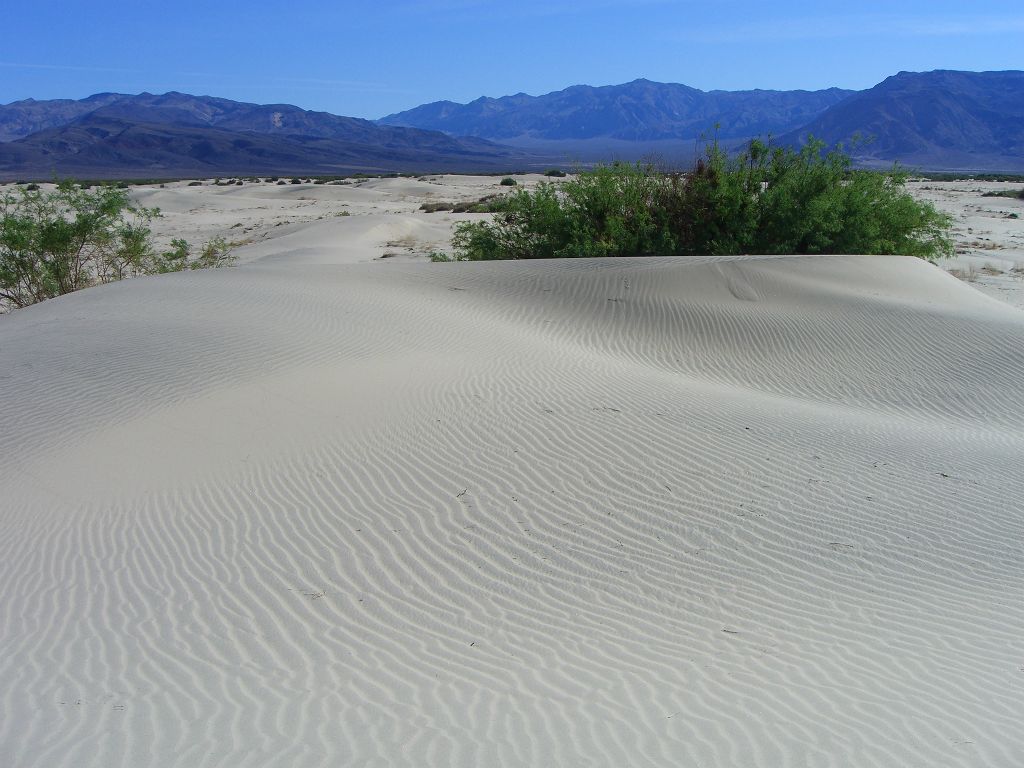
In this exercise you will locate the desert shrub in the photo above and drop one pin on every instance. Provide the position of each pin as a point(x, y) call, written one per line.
point(554, 172)
point(486, 204)
point(1014, 193)
point(508, 181)
point(215, 253)
point(195, 183)
point(764, 200)
point(68, 238)
point(31, 187)
point(296, 181)
point(58, 241)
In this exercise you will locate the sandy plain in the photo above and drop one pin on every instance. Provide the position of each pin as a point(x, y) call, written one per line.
point(338, 505)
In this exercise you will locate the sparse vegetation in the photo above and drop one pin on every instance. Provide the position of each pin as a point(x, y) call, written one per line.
point(508, 181)
point(769, 200)
point(61, 240)
point(1017, 194)
point(216, 253)
point(486, 204)
point(555, 172)
point(943, 176)
point(968, 274)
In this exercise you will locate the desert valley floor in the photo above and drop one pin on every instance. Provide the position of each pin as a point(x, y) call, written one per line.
point(338, 505)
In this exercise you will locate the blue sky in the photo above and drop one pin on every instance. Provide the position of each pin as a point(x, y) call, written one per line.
point(368, 59)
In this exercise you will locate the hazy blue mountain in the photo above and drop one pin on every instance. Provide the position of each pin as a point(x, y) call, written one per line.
point(176, 134)
point(638, 111)
point(935, 120)
point(21, 118)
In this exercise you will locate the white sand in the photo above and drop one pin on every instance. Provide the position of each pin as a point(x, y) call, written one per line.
point(357, 221)
point(989, 233)
point(672, 512)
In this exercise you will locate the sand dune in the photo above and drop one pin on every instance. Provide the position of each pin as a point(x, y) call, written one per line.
point(733, 511)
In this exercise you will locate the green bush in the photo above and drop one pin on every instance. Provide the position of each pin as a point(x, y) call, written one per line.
point(554, 172)
point(508, 181)
point(68, 238)
point(58, 241)
point(216, 253)
point(765, 200)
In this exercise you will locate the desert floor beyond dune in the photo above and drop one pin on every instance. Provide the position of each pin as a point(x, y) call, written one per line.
point(340, 506)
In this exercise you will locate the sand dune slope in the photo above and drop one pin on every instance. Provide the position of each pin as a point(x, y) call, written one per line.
point(718, 512)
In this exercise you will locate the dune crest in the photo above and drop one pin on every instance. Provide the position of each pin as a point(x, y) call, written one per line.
point(739, 510)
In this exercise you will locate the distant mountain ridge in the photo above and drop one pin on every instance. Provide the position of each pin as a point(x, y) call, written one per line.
point(23, 118)
point(941, 119)
point(177, 134)
point(641, 110)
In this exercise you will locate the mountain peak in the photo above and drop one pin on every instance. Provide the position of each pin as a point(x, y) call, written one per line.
point(944, 119)
point(641, 109)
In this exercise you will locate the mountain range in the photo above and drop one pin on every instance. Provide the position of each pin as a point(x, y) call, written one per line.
point(638, 111)
point(176, 134)
point(941, 120)
point(936, 120)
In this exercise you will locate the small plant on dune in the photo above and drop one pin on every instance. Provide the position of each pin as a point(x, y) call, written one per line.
point(556, 172)
point(767, 200)
point(215, 253)
point(61, 240)
point(508, 181)
point(58, 241)
point(486, 204)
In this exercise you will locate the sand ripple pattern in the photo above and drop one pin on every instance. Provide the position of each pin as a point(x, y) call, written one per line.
point(651, 512)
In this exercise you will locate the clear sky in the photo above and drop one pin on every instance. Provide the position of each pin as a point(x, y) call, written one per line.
point(371, 58)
